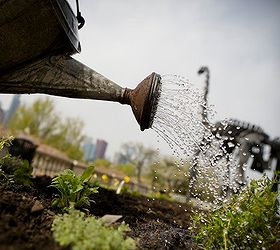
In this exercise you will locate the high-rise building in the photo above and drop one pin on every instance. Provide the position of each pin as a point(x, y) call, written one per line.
point(2, 114)
point(100, 149)
point(89, 149)
point(12, 109)
point(93, 151)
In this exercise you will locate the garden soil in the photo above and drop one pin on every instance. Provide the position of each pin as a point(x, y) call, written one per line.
point(26, 218)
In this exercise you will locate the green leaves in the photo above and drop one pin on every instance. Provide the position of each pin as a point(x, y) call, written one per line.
point(82, 232)
point(73, 190)
point(14, 169)
point(23, 174)
point(5, 142)
point(77, 230)
point(85, 177)
point(41, 120)
point(248, 221)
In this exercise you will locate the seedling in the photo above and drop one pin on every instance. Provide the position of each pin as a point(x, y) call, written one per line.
point(82, 232)
point(73, 190)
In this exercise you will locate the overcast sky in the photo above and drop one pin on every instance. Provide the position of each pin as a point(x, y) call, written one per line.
point(126, 40)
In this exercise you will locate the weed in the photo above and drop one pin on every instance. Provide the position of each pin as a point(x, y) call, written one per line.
point(19, 170)
point(82, 232)
point(4, 142)
point(248, 221)
point(13, 169)
point(73, 189)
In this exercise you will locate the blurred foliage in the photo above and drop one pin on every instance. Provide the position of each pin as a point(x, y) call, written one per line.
point(42, 121)
point(127, 168)
point(249, 220)
point(167, 175)
point(13, 169)
point(207, 186)
point(18, 170)
point(137, 155)
point(161, 195)
point(101, 163)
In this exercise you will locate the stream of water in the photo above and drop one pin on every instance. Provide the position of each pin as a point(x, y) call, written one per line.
point(183, 119)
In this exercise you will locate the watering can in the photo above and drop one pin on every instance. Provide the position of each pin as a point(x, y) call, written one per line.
point(37, 39)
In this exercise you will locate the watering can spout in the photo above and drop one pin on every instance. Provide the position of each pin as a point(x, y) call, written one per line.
point(64, 76)
point(35, 58)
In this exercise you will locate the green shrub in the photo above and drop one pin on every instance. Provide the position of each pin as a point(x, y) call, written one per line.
point(248, 221)
point(82, 232)
point(4, 142)
point(127, 169)
point(160, 196)
point(101, 163)
point(20, 171)
point(73, 190)
point(13, 169)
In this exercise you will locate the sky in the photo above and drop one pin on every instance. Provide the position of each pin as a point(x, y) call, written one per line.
point(127, 40)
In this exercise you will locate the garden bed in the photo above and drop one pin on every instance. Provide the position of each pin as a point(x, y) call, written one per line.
point(27, 216)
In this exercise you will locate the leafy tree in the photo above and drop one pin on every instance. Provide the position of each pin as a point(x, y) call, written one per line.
point(42, 121)
point(38, 119)
point(138, 155)
point(127, 168)
point(101, 163)
point(68, 138)
point(169, 175)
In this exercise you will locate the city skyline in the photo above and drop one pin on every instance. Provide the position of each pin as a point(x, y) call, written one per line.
point(126, 41)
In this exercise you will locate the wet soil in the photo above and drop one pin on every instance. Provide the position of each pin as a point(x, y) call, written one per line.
point(26, 217)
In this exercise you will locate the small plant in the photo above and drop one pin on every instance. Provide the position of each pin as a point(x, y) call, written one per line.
point(73, 190)
point(161, 195)
point(13, 169)
point(19, 170)
point(4, 142)
point(248, 221)
point(82, 232)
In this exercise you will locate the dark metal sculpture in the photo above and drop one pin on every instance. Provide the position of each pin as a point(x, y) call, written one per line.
point(249, 141)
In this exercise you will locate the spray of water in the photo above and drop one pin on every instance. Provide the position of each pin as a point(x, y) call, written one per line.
point(180, 121)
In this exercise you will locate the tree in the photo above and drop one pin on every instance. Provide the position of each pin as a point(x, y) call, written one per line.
point(38, 119)
point(41, 120)
point(169, 175)
point(101, 163)
point(127, 168)
point(138, 155)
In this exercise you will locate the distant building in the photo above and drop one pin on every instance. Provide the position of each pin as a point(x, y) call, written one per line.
point(93, 151)
point(120, 159)
point(100, 149)
point(12, 109)
point(124, 157)
point(89, 149)
point(2, 114)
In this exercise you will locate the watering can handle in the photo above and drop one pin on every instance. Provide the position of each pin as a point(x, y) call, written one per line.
point(80, 19)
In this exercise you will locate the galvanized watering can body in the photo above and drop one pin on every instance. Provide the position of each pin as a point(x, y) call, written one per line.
point(38, 38)
point(31, 29)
